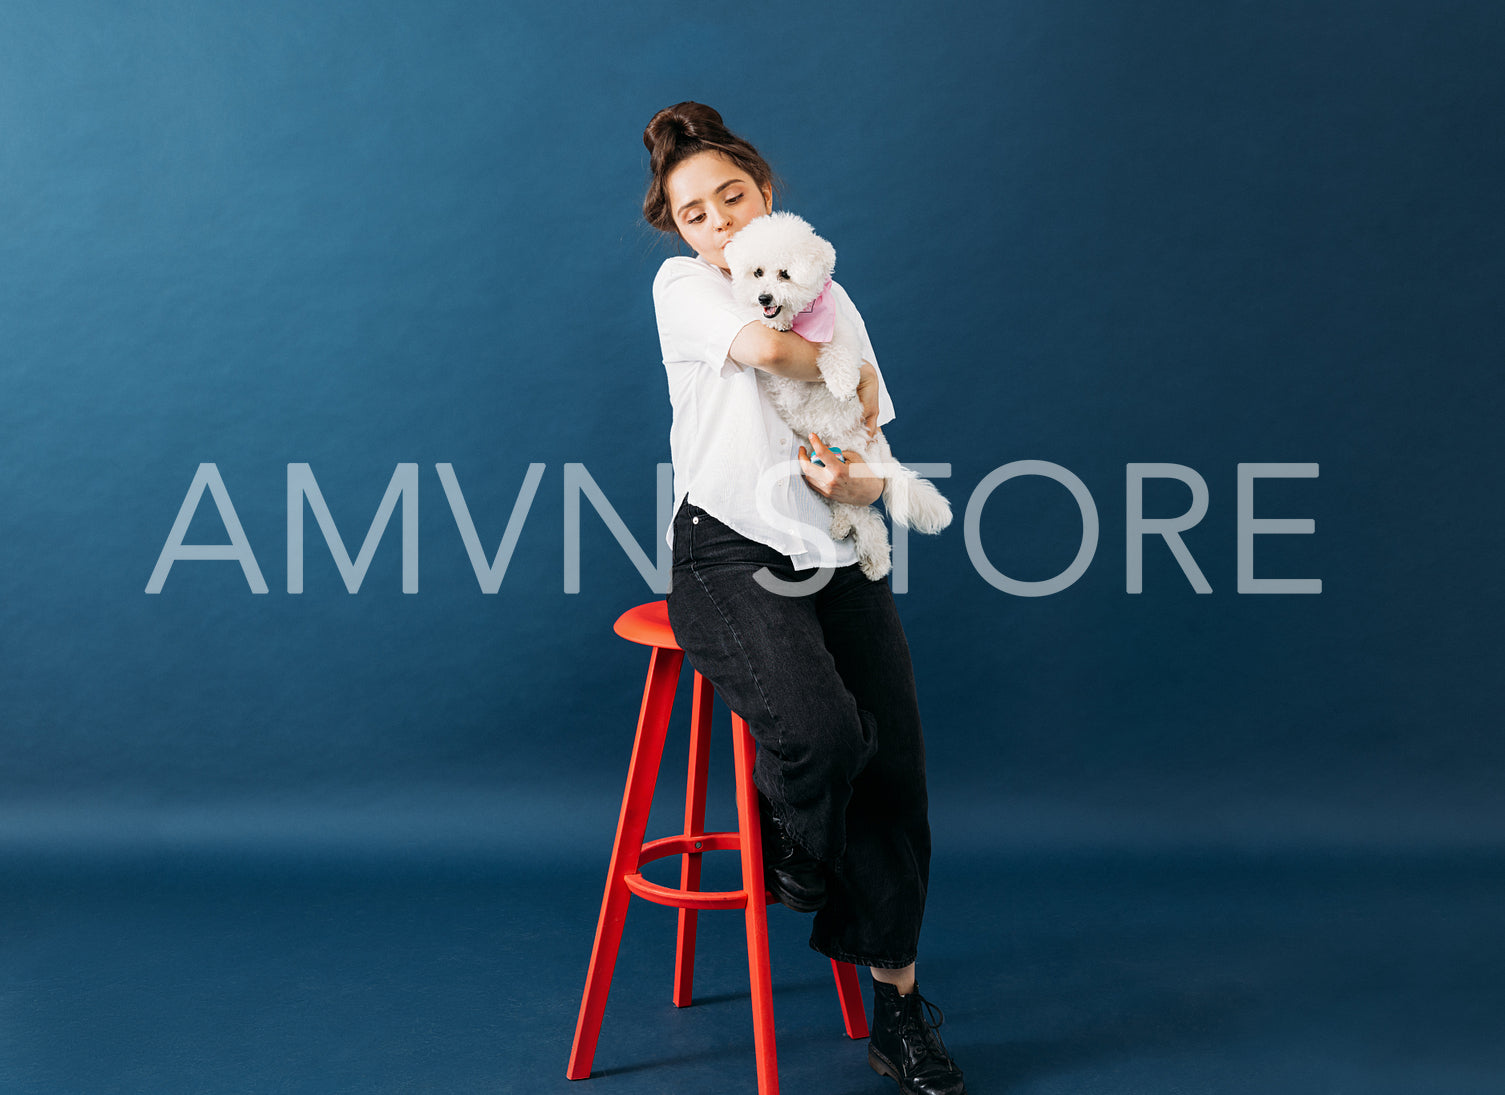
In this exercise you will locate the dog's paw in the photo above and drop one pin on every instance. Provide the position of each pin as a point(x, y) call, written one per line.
point(841, 523)
point(840, 371)
point(842, 385)
point(874, 554)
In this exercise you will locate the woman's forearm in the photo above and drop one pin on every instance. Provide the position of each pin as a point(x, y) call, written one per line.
point(783, 353)
point(787, 354)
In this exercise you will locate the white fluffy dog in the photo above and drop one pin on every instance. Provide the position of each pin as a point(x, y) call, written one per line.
point(780, 267)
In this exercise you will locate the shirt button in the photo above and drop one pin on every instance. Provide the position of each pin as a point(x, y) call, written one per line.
point(694, 520)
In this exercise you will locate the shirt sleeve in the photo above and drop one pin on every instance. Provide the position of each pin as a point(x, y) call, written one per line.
point(885, 402)
point(697, 317)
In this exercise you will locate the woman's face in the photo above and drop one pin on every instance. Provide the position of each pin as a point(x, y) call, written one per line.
point(710, 198)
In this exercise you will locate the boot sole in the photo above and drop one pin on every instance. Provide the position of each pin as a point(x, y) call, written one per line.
point(883, 1067)
point(793, 903)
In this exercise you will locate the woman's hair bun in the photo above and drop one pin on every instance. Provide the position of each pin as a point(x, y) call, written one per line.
point(680, 131)
point(674, 124)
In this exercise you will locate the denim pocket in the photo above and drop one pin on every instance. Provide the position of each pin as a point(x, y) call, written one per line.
point(717, 545)
point(684, 529)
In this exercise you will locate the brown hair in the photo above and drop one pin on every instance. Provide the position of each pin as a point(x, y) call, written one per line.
point(678, 132)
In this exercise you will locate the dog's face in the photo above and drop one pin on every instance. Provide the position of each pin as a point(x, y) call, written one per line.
point(778, 266)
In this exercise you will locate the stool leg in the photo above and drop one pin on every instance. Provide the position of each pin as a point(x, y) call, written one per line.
point(757, 911)
point(689, 873)
point(637, 800)
point(849, 992)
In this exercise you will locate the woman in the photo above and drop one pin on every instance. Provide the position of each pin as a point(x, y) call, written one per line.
point(778, 617)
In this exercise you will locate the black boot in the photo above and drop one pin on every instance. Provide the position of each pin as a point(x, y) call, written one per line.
point(906, 1044)
point(791, 874)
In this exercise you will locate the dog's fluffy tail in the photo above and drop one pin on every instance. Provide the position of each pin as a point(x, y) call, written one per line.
point(914, 502)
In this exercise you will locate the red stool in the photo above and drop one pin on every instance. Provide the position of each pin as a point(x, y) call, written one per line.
point(649, 624)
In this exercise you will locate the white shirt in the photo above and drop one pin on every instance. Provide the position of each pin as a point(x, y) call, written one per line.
point(733, 455)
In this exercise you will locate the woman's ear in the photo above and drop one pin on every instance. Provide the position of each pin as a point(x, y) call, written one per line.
point(768, 197)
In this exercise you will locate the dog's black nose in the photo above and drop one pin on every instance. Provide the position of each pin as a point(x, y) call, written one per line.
point(765, 299)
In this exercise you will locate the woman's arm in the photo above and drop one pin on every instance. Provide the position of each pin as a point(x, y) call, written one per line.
point(782, 353)
point(785, 353)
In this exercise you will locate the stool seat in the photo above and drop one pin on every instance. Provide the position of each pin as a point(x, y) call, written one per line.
point(647, 624)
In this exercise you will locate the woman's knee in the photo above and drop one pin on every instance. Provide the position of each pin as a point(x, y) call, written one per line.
point(829, 743)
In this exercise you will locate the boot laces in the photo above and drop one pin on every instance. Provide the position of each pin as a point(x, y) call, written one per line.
point(927, 1019)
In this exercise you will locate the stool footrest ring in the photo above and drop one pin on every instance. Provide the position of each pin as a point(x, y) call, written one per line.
point(690, 844)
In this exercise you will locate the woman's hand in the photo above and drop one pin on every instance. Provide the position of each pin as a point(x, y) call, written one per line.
point(867, 394)
point(845, 477)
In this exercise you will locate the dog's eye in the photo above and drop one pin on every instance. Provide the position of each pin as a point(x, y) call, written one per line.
point(783, 275)
point(758, 272)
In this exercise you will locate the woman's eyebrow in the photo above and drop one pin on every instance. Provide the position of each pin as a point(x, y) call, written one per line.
point(697, 201)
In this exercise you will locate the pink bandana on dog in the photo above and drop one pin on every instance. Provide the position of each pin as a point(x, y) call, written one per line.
point(817, 323)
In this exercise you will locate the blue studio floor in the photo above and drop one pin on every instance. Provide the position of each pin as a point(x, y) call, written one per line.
point(1368, 974)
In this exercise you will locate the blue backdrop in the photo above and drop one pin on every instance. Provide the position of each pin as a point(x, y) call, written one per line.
point(358, 236)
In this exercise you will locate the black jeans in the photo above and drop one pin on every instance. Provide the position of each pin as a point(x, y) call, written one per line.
point(825, 684)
